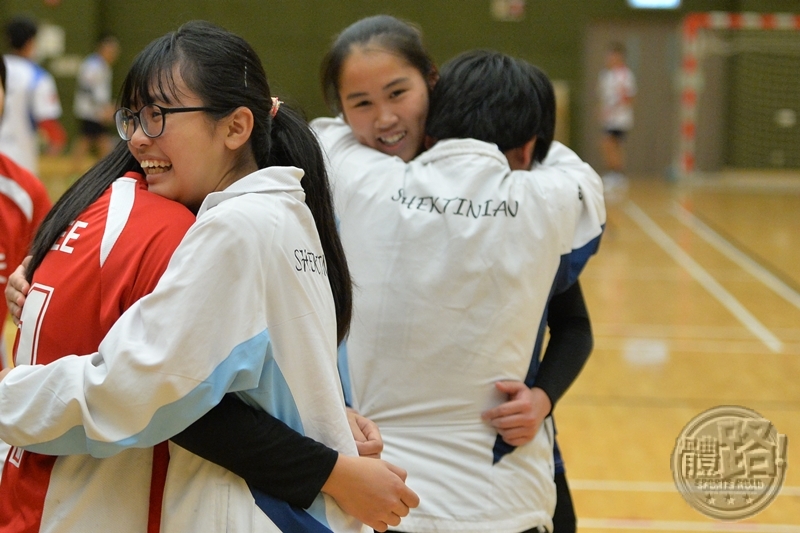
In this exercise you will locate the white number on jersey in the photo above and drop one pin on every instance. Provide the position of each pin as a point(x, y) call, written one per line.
point(31, 323)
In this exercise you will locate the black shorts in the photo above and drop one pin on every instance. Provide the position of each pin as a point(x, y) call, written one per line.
point(92, 129)
point(617, 134)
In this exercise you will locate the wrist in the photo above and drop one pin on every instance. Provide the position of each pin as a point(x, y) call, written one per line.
point(336, 480)
point(543, 400)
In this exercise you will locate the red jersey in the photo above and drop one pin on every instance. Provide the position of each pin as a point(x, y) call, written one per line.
point(111, 255)
point(23, 204)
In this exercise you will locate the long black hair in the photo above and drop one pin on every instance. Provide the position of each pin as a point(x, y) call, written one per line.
point(77, 198)
point(384, 31)
point(224, 71)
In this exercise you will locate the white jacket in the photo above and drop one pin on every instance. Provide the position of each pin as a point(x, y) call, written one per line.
point(244, 306)
point(454, 257)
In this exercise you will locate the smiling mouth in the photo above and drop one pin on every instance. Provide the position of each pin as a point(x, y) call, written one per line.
point(155, 167)
point(392, 139)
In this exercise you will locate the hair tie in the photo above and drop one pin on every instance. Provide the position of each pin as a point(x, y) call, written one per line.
point(276, 104)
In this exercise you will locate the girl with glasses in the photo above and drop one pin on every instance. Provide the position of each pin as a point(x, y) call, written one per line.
point(252, 302)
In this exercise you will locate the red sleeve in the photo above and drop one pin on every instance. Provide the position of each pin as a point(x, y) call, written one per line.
point(55, 133)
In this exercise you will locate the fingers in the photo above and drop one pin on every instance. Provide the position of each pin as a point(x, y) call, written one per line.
point(15, 313)
point(369, 429)
point(366, 434)
point(355, 427)
point(15, 292)
point(370, 448)
point(510, 386)
point(517, 436)
point(394, 520)
point(400, 472)
point(507, 423)
point(519, 401)
point(374, 440)
point(500, 411)
point(410, 499)
point(506, 410)
point(394, 516)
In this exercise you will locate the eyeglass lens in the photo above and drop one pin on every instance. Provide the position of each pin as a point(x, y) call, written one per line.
point(149, 117)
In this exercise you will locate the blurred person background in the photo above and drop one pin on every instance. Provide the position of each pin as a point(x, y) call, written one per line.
point(94, 104)
point(33, 106)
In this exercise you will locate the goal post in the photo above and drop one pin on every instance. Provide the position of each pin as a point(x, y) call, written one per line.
point(739, 92)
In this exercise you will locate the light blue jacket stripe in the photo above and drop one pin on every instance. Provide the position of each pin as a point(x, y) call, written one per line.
point(273, 394)
point(240, 371)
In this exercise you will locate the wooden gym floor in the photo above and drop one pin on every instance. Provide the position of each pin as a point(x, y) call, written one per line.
point(695, 302)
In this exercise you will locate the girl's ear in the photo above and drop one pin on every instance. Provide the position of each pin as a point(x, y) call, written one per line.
point(239, 127)
point(433, 78)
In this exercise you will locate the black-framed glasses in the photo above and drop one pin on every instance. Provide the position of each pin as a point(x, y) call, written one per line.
point(151, 118)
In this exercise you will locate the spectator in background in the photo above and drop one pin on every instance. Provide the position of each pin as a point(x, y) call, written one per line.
point(23, 204)
point(32, 103)
point(94, 105)
point(616, 88)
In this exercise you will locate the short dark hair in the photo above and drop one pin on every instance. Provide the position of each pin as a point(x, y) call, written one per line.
point(106, 37)
point(617, 47)
point(494, 98)
point(395, 35)
point(20, 30)
point(2, 72)
point(546, 97)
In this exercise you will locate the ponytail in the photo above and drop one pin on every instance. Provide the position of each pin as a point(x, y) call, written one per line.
point(294, 144)
point(228, 75)
point(77, 198)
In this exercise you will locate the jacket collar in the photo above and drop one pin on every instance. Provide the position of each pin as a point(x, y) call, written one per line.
point(265, 180)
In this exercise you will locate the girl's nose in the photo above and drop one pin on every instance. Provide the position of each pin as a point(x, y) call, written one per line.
point(139, 139)
point(386, 117)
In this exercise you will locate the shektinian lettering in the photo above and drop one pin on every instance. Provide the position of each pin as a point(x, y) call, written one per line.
point(457, 206)
point(308, 261)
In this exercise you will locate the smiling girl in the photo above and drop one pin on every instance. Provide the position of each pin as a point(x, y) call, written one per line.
point(232, 313)
point(378, 77)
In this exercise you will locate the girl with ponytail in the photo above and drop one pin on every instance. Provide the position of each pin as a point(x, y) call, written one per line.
point(253, 302)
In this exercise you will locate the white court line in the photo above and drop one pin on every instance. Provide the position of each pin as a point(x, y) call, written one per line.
point(602, 485)
point(703, 277)
point(744, 261)
point(676, 525)
point(682, 331)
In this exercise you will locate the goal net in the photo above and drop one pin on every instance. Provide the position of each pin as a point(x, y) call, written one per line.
point(740, 93)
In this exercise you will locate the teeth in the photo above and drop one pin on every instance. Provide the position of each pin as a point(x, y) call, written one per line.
point(154, 164)
point(155, 167)
point(393, 139)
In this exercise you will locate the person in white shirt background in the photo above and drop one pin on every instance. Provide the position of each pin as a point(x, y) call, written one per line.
point(94, 102)
point(616, 89)
point(32, 102)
